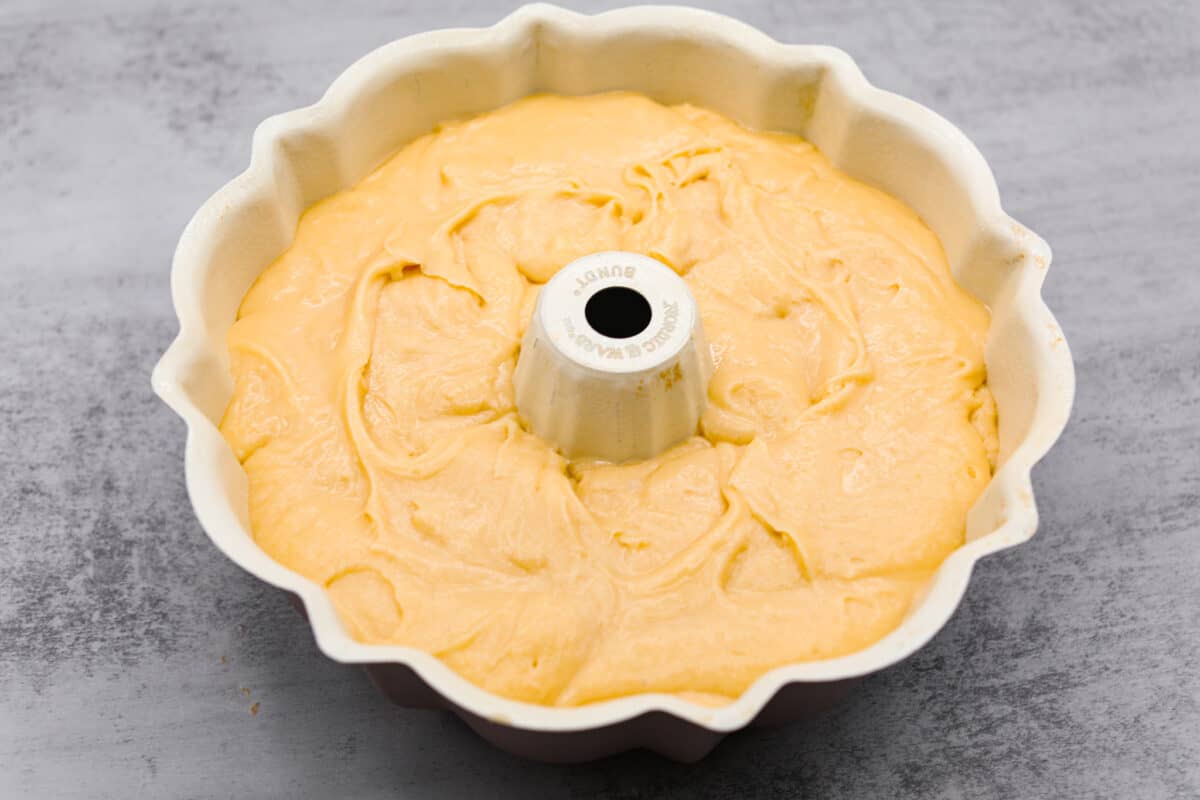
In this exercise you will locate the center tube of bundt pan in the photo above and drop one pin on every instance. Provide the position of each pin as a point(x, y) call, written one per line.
point(614, 364)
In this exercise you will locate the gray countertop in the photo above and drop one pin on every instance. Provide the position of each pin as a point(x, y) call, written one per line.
point(132, 654)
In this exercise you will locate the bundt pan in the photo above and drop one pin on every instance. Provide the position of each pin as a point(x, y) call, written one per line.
point(674, 55)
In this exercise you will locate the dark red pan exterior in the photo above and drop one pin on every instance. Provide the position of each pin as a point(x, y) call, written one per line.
point(656, 731)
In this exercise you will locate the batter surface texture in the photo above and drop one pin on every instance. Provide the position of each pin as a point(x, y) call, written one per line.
point(849, 426)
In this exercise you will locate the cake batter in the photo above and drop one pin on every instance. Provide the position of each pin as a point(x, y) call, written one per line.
point(849, 426)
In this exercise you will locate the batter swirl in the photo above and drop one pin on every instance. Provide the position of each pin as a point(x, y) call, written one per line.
point(849, 426)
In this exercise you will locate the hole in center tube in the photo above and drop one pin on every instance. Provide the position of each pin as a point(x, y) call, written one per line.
point(618, 312)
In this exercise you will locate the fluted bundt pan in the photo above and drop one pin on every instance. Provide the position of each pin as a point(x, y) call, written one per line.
point(401, 91)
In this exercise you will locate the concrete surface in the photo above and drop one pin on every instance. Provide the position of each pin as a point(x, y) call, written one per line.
point(132, 654)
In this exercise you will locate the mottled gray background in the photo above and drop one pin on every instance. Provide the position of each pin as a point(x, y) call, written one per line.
point(132, 652)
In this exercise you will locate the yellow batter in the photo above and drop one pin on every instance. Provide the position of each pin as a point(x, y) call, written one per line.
point(848, 431)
